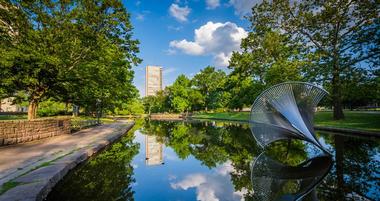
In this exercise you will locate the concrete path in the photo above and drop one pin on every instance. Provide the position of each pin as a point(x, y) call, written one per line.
point(32, 169)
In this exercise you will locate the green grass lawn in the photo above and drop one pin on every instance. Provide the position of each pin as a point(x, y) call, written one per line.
point(354, 120)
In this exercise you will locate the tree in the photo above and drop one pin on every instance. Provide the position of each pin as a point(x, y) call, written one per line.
point(242, 91)
point(341, 35)
point(179, 94)
point(148, 102)
point(268, 58)
point(131, 107)
point(71, 50)
point(210, 83)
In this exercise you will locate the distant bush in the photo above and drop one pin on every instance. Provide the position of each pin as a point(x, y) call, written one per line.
point(51, 108)
point(131, 108)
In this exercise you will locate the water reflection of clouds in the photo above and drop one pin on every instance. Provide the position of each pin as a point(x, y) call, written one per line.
point(211, 187)
point(170, 155)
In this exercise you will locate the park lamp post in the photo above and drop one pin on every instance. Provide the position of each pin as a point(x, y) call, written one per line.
point(98, 109)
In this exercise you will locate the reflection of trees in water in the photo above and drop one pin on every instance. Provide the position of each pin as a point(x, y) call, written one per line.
point(108, 176)
point(356, 170)
point(214, 144)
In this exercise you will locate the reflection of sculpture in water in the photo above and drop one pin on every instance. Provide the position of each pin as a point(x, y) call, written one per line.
point(286, 111)
point(273, 180)
point(153, 151)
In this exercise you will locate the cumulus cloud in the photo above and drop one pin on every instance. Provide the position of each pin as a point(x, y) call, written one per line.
point(168, 71)
point(187, 47)
point(141, 16)
point(243, 7)
point(179, 13)
point(217, 39)
point(212, 187)
point(212, 4)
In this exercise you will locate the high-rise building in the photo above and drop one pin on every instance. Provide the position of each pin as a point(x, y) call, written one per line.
point(153, 80)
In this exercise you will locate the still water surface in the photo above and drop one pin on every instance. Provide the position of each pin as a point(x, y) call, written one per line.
point(209, 161)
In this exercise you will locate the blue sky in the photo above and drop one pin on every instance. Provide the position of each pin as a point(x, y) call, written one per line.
point(184, 36)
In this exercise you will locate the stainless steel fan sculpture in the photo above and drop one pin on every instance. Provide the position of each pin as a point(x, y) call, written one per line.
point(286, 111)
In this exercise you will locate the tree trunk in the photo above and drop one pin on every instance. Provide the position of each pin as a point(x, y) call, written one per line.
point(337, 93)
point(32, 109)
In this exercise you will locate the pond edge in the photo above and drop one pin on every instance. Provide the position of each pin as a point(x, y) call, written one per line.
point(37, 184)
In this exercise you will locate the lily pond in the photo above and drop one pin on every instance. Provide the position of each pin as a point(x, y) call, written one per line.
point(209, 161)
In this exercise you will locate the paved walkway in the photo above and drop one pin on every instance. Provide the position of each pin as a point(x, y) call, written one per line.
point(35, 167)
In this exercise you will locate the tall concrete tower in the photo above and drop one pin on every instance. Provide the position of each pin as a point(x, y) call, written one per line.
point(153, 80)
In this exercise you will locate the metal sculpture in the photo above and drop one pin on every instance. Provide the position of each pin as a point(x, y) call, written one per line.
point(286, 111)
point(273, 180)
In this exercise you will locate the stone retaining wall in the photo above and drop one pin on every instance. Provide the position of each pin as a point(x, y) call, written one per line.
point(19, 131)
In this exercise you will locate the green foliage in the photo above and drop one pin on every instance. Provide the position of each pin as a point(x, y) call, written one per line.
point(179, 94)
point(51, 108)
point(210, 83)
point(243, 91)
point(74, 51)
point(158, 103)
point(132, 107)
point(268, 58)
point(332, 37)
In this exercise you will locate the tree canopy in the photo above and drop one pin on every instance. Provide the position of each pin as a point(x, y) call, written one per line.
point(335, 36)
point(75, 51)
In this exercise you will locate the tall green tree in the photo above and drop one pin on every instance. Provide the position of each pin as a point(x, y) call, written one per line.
point(242, 90)
point(341, 35)
point(179, 94)
point(267, 58)
point(210, 83)
point(79, 51)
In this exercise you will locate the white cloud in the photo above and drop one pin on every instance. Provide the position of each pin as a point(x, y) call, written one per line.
point(212, 187)
point(175, 28)
point(168, 71)
point(140, 17)
point(222, 59)
point(243, 7)
point(212, 4)
point(179, 13)
point(187, 47)
point(216, 39)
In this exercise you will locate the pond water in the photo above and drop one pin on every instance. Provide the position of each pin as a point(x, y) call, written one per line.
point(161, 160)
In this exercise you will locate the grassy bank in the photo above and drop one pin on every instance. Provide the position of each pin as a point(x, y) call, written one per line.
point(13, 117)
point(368, 121)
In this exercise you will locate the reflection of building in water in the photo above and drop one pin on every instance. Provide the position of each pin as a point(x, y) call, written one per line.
point(153, 151)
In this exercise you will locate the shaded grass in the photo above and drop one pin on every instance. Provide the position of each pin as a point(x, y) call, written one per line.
point(8, 185)
point(12, 184)
point(13, 117)
point(369, 121)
